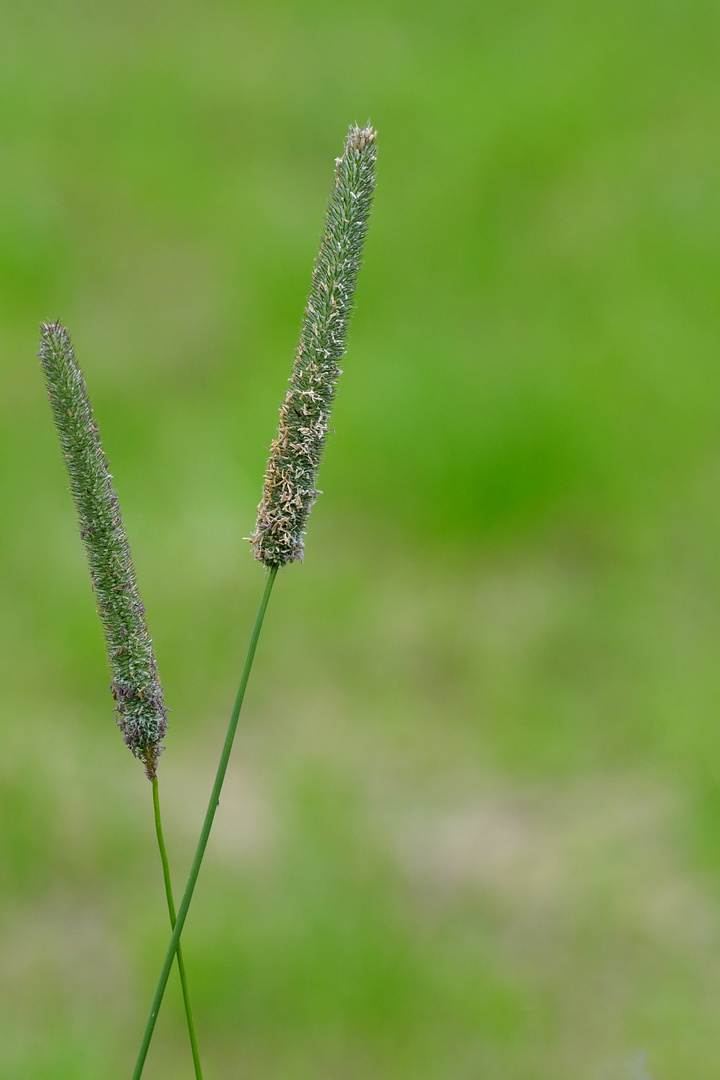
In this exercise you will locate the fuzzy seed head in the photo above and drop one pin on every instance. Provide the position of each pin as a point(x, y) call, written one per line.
point(289, 488)
point(135, 686)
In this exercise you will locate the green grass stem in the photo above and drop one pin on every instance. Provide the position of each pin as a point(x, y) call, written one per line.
point(207, 826)
point(171, 912)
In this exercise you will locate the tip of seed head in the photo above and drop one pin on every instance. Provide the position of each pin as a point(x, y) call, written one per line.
point(53, 335)
point(359, 138)
point(47, 328)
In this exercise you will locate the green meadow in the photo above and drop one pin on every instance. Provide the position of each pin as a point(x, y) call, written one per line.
point(471, 827)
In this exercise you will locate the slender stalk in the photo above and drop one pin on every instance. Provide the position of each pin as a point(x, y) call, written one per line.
point(207, 826)
point(171, 912)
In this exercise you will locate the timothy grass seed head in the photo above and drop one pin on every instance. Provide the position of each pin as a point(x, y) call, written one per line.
point(135, 685)
point(289, 488)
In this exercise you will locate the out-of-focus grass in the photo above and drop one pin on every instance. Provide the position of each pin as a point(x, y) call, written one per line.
point(472, 823)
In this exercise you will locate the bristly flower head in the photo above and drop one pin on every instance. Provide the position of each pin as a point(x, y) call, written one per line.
point(289, 486)
point(135, 686)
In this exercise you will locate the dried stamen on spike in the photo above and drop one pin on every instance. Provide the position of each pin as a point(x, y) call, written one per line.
point(289, 488)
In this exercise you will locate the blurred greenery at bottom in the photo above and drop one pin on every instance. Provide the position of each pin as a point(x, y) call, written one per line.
point(396, 888)
point(471, 827)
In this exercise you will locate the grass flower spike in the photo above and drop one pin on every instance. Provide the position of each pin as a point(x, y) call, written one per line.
point(135, 685)
point(289, 488)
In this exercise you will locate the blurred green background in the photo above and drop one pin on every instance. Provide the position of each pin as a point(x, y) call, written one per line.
point(472, 823)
